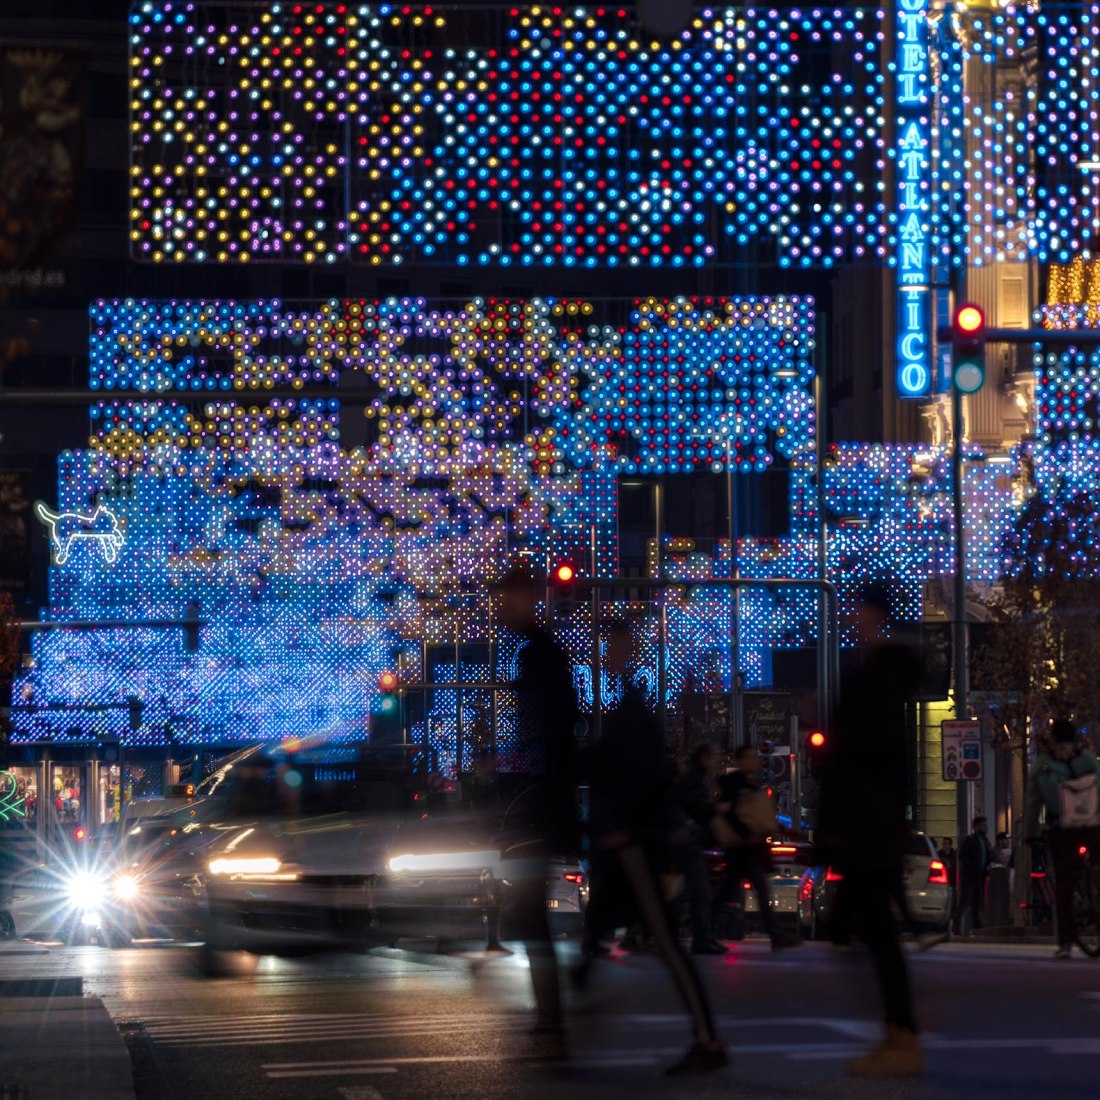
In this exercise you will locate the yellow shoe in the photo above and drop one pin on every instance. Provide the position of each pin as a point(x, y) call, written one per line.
point(899, 1055)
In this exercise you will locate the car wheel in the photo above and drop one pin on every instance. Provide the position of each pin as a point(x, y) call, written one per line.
point(214, 962)
point(7, 925)
point(818, 931)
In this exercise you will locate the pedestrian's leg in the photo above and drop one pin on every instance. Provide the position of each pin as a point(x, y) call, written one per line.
point(900, 1053)
point(976, 889)
point(647, 892)
point(698, 893)
point(840, 927)
point(534, 926)
point(1063, 856)
point(877, 929)
point(722, 894)
point(966, 905)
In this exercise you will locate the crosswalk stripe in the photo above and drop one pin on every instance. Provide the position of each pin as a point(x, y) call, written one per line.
point(291, 1038)
point(331, 1072)
point(248, 1028)
point(794, 1052)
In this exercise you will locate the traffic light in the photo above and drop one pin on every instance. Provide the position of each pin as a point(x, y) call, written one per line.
point(968, 348)
point(136, 707)
point(385, 719)
point(563, 578)
point(191, 626)
point(815, 746)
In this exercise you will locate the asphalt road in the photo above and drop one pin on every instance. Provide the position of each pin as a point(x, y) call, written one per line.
point(998, 1021)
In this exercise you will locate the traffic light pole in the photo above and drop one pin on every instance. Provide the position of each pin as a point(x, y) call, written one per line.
point(960, 637)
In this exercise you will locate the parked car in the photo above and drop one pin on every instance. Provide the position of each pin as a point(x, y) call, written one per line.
point(927, 891)
point(789, 861)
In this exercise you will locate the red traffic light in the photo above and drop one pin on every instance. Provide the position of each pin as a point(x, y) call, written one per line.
point(79, 834)
point(816, 740)
point(387, 681)
point(564, 573)
point(969, 319)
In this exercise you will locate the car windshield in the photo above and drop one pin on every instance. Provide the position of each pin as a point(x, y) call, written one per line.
point(146, 836)
point(918, 846)
point(301, 788)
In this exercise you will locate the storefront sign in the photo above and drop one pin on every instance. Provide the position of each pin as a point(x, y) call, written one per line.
point(13, 806)
point(767, 719)
point(63, 529)
point(913, 257)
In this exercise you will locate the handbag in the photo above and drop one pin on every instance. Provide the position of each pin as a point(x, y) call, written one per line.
point(756, 811)
point(725, 835)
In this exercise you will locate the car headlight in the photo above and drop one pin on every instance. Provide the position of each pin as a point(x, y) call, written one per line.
point(244, 865)
point(86, 890)
point(126, 887)
point(445, 861)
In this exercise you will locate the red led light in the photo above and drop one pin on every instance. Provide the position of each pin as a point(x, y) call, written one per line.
point(969, 319)
point(564, 573)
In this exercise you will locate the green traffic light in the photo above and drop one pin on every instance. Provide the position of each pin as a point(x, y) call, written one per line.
point(969, 377)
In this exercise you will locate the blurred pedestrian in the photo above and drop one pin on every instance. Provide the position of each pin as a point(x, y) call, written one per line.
point(975, 857)
point(744, 805)
point(862, 828)
point(694, 797)
point(1064, 787)
point(542, 808)
point(631, 811)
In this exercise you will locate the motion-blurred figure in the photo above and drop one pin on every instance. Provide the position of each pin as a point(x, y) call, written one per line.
point(630, 817)
point(1065, 783)
point(694, 798)
point(750, 813)
point(861, 821)
point(542, 797)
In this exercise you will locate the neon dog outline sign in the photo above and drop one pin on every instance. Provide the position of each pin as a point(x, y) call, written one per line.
point(65, 528)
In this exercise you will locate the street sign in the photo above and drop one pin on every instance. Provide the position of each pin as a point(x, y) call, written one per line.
point(766, 718)
point(962, 751)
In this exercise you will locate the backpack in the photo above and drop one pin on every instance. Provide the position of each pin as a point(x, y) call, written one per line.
point(1079, 801)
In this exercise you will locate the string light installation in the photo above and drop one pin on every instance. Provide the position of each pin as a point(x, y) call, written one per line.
point(496, 427)
point(316, 565)
point(538, 135)
point(551, 136)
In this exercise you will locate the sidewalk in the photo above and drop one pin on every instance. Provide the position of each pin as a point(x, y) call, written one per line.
point(59, 1045)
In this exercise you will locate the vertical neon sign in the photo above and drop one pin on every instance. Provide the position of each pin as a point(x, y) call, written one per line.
point(913, 257)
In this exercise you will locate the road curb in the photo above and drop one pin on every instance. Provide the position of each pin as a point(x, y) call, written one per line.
point(39, 1034)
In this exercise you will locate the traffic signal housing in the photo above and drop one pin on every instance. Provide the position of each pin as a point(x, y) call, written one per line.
point(563, 587)
point(968, 348)
point(385, 718)
point(815, 747)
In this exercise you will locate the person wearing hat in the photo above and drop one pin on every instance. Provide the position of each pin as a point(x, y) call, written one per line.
point(1064, 787)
